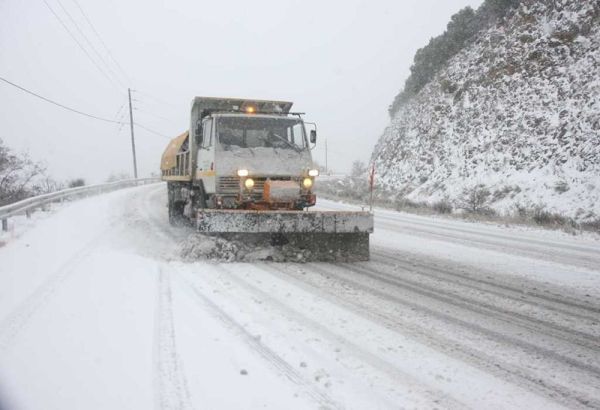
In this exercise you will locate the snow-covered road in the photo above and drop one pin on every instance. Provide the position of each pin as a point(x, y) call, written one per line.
point(99, 311)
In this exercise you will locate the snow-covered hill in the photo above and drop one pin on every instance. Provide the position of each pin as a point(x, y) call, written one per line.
point(518, 110)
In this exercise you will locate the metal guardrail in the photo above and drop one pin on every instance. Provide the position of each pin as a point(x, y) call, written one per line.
point(26, 206)
point(330, 177)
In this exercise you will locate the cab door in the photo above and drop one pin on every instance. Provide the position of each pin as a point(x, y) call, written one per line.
point(206, 157)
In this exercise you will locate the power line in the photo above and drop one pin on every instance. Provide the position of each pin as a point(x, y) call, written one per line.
point(156, 99)
point(154, 115)
point(87, 40)
point(102, 41)
point(81, 112)
point(151, 130)
point(78, 43)
point(119, 110)
point(121, 118)
point(59, 104)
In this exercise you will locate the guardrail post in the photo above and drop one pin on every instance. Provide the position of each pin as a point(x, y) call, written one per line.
point(28, 213)
point(5, 224)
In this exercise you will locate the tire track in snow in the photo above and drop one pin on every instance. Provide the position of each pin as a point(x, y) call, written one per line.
point(171, 385)
point(20, 317)
point(587, 260)
point(172, 389)
point(489, 234)
point(270, 356)
point(379, 363)
point(462, 300)
point(267, 354)
point(513, 373)
point(522, 294)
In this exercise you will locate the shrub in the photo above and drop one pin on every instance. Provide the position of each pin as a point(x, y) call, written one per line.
point(521, 210)
point(406, 203)
point(593, 225)
point(19, 176)
point(541, 216)
point(119, 176)
point(475, 199)
point(443, 206)
point(74, 183)
point(561, 187)
point(359, 169)
point(448, 86)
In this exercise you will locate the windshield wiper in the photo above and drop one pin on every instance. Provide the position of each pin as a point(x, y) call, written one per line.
point(294, 146)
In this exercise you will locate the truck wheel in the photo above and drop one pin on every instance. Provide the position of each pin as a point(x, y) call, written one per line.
point(202, 196)
point(176, 217)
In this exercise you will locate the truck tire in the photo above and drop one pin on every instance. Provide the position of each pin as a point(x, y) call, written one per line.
point(176, 217)
point(201, 196)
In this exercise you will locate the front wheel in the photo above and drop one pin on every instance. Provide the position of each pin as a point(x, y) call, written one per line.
point(176, 217)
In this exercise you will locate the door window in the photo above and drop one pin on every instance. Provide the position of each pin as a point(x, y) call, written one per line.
point(207, 134)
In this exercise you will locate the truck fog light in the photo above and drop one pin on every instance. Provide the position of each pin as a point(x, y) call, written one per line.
point(249, 183)
point(242, 172)
point(307, 183)
point(313, 172)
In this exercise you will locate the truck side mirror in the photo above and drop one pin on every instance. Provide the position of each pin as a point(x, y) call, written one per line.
point(313, 136)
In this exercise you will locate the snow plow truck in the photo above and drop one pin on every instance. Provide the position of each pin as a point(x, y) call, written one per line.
point(245, 168)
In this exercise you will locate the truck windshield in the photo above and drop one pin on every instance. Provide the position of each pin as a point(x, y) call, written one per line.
point(254, 132)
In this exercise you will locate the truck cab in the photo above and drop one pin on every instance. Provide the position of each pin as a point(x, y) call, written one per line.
point(255, 161)
point(241, 154)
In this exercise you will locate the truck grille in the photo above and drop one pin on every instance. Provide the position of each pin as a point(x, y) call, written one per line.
point(228, 185)
point(231, 186)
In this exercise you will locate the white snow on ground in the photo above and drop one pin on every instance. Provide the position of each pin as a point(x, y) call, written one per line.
point(544, 255)
point(98, 309)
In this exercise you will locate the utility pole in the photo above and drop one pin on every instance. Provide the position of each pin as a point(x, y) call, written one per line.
point(326, 168)
point(132, 137)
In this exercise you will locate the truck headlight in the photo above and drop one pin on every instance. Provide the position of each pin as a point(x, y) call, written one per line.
point(249, 183)
point(313, 173)
point(242, 172)
point(307, 183)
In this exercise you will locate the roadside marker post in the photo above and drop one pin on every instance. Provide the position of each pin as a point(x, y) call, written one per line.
point(371, 183)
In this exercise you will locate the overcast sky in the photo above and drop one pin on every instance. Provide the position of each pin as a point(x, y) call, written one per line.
point(341, 62)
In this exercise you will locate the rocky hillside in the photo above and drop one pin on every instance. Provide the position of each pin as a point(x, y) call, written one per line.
point(516, 112)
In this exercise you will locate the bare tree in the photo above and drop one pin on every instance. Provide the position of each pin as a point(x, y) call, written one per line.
point(18, 175)
point(48, 184)
point(359, 169)
point(475, 199)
